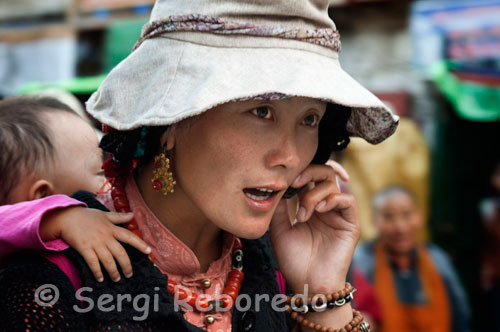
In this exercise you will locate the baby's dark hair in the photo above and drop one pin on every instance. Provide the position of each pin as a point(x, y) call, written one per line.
point(141, 144)
point(25, 139)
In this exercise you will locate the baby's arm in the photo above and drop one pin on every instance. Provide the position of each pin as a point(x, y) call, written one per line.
point(95, 235)
point(41, 224)
point(19, 224)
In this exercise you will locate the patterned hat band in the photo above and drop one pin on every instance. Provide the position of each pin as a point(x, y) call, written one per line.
point(201, 23)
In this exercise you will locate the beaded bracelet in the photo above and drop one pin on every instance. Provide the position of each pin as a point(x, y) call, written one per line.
point(316, 302)
point(355, 325)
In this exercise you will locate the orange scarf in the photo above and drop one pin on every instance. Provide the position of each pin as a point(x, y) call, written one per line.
point(434, 316)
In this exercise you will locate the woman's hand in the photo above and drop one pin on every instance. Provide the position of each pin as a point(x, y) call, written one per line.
point(95, 236)
point(317, 250)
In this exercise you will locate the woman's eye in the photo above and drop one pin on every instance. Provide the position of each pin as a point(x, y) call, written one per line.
point(262, 112)
point(311, 120)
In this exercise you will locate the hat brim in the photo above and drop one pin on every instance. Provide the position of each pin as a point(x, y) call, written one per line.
point(167, 80)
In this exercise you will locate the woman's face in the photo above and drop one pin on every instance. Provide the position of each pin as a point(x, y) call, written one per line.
point(235, 161)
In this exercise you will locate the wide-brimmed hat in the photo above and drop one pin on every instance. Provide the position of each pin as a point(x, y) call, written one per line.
point(197, 54)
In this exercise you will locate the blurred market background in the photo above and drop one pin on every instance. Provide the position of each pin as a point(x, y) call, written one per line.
point(436, 63)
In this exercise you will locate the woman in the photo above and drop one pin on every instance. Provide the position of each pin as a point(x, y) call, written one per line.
point(226, 109)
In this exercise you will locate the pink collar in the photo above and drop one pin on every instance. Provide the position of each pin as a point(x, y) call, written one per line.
point(170, 254)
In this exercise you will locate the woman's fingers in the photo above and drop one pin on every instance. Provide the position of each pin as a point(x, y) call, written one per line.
point(314, 173)
point(322, 180)
point(315, 198)
point(318, 173)
point(345, 204)
point(339, 170)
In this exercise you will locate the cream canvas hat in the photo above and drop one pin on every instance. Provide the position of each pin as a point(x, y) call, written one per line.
point(196, 54)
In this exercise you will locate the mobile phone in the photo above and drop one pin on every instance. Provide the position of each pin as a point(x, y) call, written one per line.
point(290, 192)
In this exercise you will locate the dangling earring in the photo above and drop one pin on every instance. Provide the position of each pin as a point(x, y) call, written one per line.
point(162, 179)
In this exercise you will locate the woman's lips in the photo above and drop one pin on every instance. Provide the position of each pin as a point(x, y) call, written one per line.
point(260, 200)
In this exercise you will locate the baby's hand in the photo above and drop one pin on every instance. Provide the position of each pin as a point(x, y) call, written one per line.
point(95, 236)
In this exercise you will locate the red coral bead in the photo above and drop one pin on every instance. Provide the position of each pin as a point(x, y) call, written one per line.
point(231, 291)
point(231, 279)
point(183, 293)
point(227, 301)
point(202, 303)
point(132, 225)
point(117, 191)
point(157, 185)
point(237, 274)
point(120, 202)
point(192, 302)
point(171, 286)
point(118, 183)
point(234, 283)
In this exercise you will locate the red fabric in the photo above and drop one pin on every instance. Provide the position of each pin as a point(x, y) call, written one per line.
point(281, 282)
point(364, 299)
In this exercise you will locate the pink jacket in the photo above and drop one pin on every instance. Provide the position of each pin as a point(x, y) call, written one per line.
point(19, 225)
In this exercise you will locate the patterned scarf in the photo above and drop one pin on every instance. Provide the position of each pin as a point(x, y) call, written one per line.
point(324, 37)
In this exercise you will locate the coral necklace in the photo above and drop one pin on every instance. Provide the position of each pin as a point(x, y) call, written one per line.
point(196, 301)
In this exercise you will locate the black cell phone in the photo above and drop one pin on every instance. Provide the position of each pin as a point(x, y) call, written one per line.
point(290, 192)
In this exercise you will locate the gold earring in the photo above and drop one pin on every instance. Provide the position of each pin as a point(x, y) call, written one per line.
point(162, 179)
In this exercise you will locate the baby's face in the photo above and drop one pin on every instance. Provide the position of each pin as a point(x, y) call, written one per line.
point(78, 158)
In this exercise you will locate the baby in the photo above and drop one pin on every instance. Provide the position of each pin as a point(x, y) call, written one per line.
point(49, 153)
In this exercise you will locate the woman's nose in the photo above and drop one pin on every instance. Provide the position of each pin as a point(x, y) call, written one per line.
point(284, 153)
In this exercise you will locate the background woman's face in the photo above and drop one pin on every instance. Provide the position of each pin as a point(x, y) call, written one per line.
point(235, 161)
point(398, 221)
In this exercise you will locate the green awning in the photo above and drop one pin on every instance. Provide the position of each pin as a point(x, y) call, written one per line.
point(472, 101)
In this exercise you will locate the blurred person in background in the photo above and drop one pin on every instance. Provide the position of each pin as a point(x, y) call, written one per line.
point(415, 283)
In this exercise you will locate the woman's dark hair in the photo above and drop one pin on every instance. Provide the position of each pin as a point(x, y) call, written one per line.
point(333, 135)
point(143, 143)
point(139, 144)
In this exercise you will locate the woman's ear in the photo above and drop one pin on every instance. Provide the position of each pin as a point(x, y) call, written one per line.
point(168, 138)
point(41, 188)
